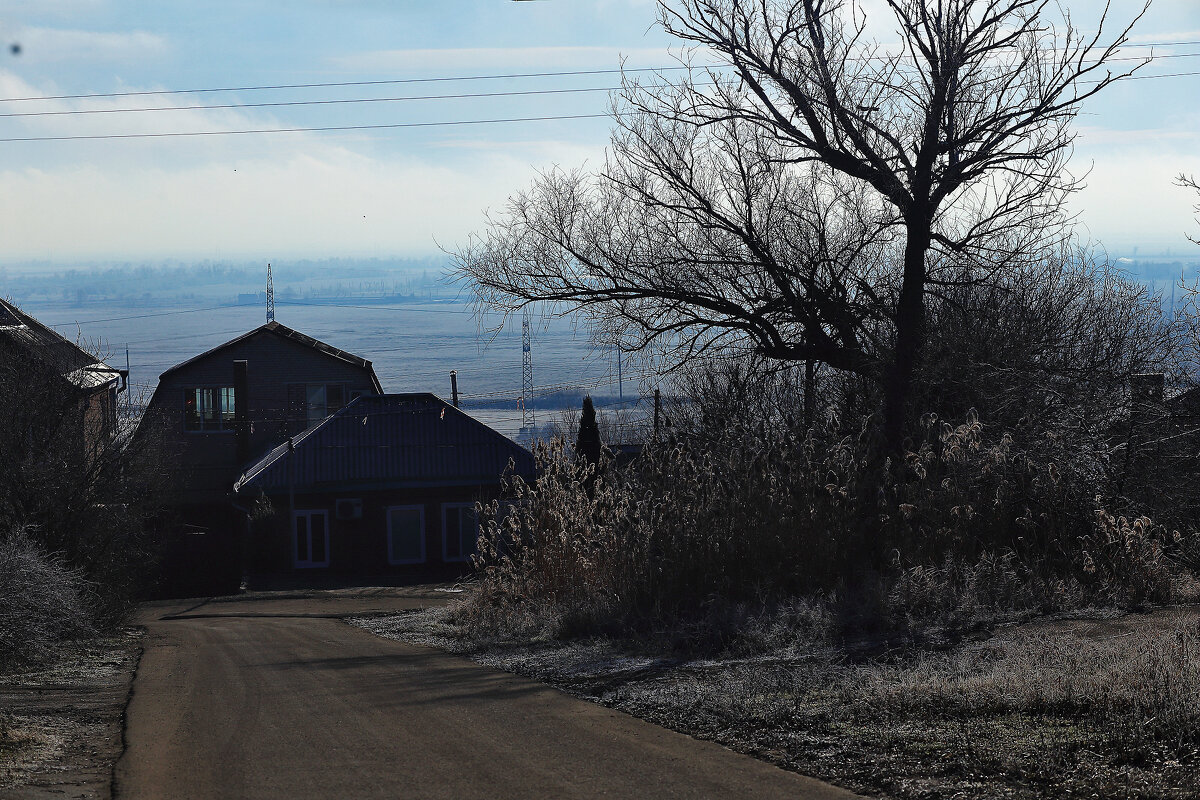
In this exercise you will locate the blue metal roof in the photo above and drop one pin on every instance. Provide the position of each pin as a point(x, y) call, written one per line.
point(389, 441)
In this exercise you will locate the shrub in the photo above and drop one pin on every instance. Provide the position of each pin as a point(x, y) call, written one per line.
point(556, 556)
point(966, 527)
point(1136, 561)
point(43, 603)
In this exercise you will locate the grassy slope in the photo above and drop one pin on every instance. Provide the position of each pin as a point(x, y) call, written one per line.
point(60, 730)
point(1101, 706)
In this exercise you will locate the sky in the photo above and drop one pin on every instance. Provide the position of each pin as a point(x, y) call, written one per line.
point(388, 192)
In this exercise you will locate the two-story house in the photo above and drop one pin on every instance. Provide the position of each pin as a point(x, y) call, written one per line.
point(50, 379)
point(222, 410)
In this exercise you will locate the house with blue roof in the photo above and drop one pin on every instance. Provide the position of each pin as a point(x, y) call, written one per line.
point(385, 485)
point(212, 415)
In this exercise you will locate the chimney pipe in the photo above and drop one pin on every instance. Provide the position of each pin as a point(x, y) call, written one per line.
point(241, 407)
point(454, 387)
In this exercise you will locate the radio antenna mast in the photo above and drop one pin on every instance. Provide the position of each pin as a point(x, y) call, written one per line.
point(270, 296)
point(527, 415)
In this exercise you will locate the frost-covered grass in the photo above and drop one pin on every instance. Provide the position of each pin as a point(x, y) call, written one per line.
point(60, 724)
point(878, 622)
point(1103, 705)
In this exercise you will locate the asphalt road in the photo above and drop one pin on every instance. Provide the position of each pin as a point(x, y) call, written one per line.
point(275, 697)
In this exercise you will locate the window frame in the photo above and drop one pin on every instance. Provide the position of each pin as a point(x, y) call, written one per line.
point(419, 508)
point(446, 537)
point(300, 408)
point(224, 419)
point(309, 513)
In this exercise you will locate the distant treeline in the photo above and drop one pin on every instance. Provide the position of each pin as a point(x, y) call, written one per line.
point(156, 283)
point(1170, 271)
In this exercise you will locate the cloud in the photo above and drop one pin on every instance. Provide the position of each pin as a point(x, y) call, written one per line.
point(1130, 196)
point(304, 194)
point(1169, 36)
point(45, 45)
point(312, 198)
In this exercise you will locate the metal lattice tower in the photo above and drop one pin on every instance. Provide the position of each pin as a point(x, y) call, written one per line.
point(527, 416)
point(270, 296)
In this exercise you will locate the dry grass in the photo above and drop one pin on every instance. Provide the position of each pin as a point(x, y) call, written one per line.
point(1105, 706)
point(60, 728)
point(968, 529)
point(43, 603)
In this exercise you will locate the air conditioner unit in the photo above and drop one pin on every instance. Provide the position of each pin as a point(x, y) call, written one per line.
point(348, 508)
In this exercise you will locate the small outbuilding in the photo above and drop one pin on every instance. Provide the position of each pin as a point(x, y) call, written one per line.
point(45, 376)
point(386, 485)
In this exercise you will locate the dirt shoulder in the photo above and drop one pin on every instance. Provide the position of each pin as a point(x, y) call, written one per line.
point(61, 729)
point(1102, 705)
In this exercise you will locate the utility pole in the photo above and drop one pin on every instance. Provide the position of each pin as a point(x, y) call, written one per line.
point(620, 378)
point(270, 295)
point(128, 388)
point(527, 415)
point(657, 410)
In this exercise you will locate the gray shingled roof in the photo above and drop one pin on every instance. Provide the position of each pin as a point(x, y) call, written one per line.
point(49, 347)
point(386, 442)
point(284, 331)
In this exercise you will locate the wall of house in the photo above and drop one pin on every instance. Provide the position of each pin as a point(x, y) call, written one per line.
point(360, 546)
point(204, 464)
point(202, 551)
point(99, 418)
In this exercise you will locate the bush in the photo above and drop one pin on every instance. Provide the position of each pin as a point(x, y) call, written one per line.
point(1136, 561)
point(43, 603)
point(966, 528)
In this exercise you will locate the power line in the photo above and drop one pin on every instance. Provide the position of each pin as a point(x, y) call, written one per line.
point(364, 100)
point(375, 307)
point(299, 130)
point(146, 316)
point(398, 125)
point(341, 84)
point(1153, 77)
point(473, 95)
point(447, 79)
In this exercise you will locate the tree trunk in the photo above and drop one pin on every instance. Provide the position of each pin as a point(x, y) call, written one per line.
point(910, 339)
point(810, 390)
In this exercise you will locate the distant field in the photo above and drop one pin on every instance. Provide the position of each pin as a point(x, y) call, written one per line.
point(413, 346)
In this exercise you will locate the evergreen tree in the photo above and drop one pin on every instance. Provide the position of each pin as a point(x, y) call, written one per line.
point(587, 444)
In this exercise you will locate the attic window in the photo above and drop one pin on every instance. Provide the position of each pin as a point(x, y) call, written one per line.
point(309, 403)
point(208, 408)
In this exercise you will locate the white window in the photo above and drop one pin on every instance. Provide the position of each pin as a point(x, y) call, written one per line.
point(310, 538)
point(406, 534)
point(460, 531)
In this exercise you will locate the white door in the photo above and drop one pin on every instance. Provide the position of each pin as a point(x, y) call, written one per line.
point(311, 539)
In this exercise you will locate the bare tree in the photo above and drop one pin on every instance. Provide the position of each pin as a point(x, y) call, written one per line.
point(1052, 347)
point(1189, 182)
point(1189, 313)
point(805, 197)
point(73, 480)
